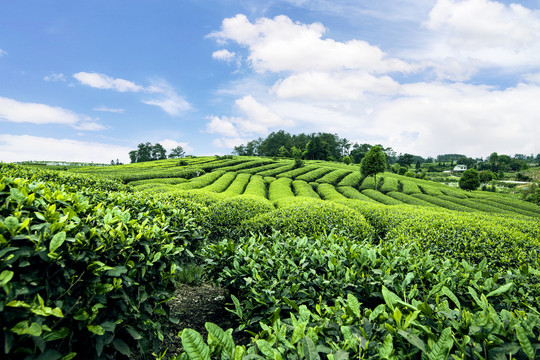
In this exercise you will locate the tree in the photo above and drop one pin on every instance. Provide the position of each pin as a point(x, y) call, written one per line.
point(405, 160)
point(177, 152)
point(486, 176)
point(373, 163)
point(470, 180)
point(158, 152)
point(283, 152)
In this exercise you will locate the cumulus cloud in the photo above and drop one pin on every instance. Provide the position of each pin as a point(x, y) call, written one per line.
point(163, 94)
point(360, 92)
point(255, 119)
point(55, 77)
point(24, 112)
point(477, 34)
point(224, 55)
point(279, 44)
point(342, 85)
point(169, 144)
point(25, 147)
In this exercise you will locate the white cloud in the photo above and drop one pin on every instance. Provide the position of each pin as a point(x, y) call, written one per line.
point(163, 94)
point(2, 52)
point(26, 147)
point(278, 45)
point(230, 142)
point(107, 109)
point(477, 34)
point(342, 85)
point(167, 99)
point(55, 77)
point(169, 144)
point(255, 119)
point(224, 55)
point(102, 81)
point(23, 112)
point(223, 126)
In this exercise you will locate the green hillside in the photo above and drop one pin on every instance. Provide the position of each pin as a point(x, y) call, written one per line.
point(315, 261)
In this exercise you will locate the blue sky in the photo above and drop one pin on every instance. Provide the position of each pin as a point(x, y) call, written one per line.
point(88, 81)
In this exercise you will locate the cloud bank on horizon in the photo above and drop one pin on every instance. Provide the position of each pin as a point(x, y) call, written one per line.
point(423, 77)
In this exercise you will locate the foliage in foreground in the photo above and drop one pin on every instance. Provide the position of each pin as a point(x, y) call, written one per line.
point(85, 272)
point(339, 298)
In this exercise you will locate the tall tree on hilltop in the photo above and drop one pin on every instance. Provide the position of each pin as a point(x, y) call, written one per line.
point(373, 163)
point(177, 152)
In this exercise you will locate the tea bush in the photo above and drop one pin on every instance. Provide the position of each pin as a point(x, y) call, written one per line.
point(380, 197)
point(310, 217)
point(334, 177)
point(226, 217)
point(314, 174)
point(85, 272)
point(302, 188)
point(353, 179)
point(329, 192)
point(280, 188)
point(256, 186)
point(351, 193)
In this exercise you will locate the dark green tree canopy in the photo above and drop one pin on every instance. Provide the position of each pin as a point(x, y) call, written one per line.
point(177, 152)
point(147, 152)
point(373, 163)
point(470, 180)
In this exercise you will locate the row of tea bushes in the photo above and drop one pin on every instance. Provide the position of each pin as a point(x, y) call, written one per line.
point(314, 174)
point(302, 188)
point(256, 187)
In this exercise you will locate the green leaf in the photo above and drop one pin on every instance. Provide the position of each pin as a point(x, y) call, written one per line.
point(25, 328)
point(446, 291)
point(222, 337)
point(377, 311)
point(239, 352)
point(265, 348)
point(117, 271)
point(57, 241)
point(501, 290)
point(310, 351)
point(122, 347)
point(11, 223)
point(56, 335)
point(524, 341)
point(413, 339)
point(387, 348)
point(17, 195)
point(442, 347)
point(134, 333)
point(49, 354)
point(194, 345)
point(390, 298)
point(96, 329)
point(6, 277)
point(354, 305)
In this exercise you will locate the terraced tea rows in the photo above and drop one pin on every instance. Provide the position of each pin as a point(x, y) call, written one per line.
point(279, 179)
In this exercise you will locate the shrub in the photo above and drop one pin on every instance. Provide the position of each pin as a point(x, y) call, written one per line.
point(238, 185)
point(353, 179)
point(302, 188)
point(256, 186)
point(222, 183)
point(86, 272)
point(315, 174)
point(334, 177)
point(310, 217)
point(280, 188)
point(352, 193)
point(329, 192)
point(201, 181)
point(296, 172)
point(380, 197)
point(226, 216)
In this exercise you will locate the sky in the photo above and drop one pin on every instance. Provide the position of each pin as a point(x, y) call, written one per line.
point(90, 80)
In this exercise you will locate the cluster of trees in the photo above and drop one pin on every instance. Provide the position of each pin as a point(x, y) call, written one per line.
point(149, 152)
point(315, 146)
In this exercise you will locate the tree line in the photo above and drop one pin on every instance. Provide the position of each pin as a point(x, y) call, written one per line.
point(149, 152)
point(330, 147)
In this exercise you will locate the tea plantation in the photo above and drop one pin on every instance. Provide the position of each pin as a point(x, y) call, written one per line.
point(318, 262)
